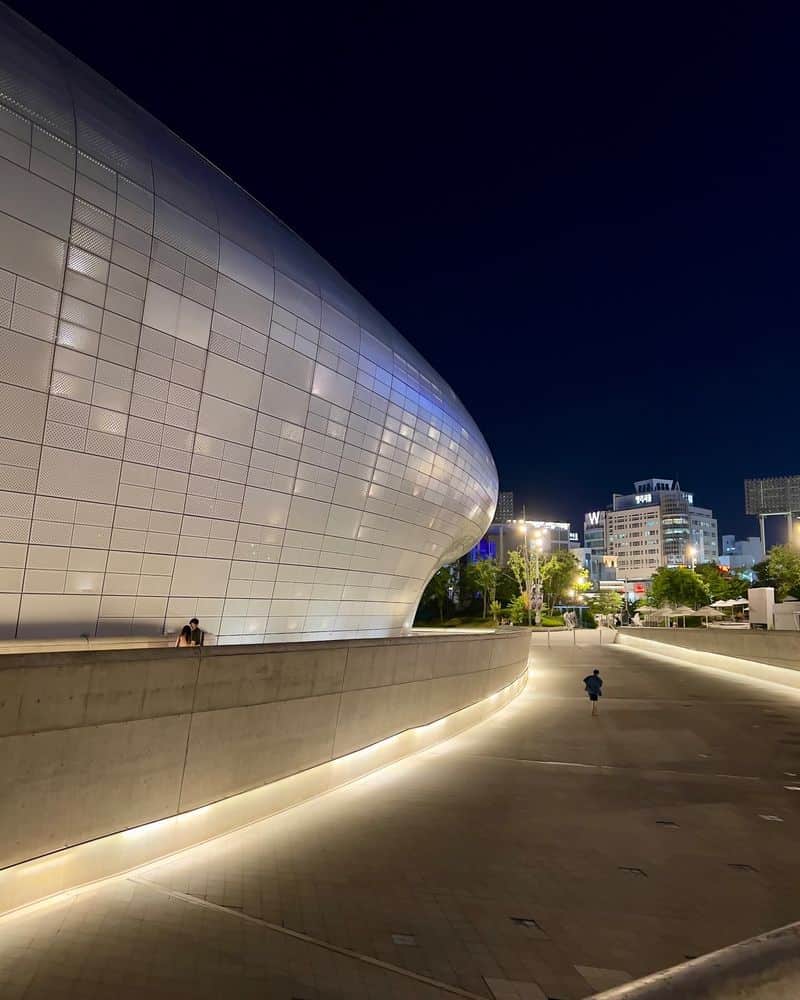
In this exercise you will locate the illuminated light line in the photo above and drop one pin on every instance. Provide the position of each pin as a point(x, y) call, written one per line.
point(736, 668)
point(254, 806)
point(306, 938)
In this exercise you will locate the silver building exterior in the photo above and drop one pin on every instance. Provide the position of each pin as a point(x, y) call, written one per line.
point(198, 415)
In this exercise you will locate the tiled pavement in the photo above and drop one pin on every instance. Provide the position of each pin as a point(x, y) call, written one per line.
point(542, 854)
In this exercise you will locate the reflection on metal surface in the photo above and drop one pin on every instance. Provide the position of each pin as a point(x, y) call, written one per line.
point(199, 415)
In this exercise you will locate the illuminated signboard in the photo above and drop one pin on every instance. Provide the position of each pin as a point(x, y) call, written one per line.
point(644, 498)
point(593, 517)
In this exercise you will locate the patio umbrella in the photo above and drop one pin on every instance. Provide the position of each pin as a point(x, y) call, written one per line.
point(682, 612)
point(651, 614)
point(709, 611)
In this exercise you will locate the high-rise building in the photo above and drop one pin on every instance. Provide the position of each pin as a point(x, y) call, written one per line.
point(594, 532)
point(741, 553)
point(657, 525)
point(505, 507)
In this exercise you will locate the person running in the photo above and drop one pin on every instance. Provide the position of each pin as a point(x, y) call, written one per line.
point(594, 688)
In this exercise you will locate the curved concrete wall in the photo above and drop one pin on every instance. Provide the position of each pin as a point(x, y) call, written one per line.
point(766, 656)
point(766, 967)
point(198, 415)
point(781, 649)
point(93, 744)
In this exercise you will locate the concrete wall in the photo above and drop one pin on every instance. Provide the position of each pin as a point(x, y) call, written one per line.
point(96, 743)
point(781, 649)
point(766, 967)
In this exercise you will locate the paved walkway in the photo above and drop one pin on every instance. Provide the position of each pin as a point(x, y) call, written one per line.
point(542, 854)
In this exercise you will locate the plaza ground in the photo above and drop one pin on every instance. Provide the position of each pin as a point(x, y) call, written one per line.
point(544, 853)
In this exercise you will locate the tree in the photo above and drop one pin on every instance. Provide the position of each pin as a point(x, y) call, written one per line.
point(438, 589)
point(607, 602)
point(781, 570)
point(506, 587)
point(516, 569)
point(525, 565)
point(519, 610)
point(486, 574)
point(465, 583)
point(678, 585)
point(560, 573)
point(722, 584)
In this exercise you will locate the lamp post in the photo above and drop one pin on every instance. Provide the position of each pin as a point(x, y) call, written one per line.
point(537, 577)
point(531, 553)
point(691, 552)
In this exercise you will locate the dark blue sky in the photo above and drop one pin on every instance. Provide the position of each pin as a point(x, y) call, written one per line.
point(586, 218)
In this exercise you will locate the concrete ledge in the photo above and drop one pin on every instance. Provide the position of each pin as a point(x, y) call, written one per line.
point(786, 674)
point(113, 760)
point(781, 649)
point(766, 967)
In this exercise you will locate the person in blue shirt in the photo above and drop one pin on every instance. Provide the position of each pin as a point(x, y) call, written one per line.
point(594, 688)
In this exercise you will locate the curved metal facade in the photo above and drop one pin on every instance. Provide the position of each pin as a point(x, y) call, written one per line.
point(198, 415)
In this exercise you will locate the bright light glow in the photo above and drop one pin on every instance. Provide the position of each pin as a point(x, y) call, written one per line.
point(147, 828)
point(742, 671)
point(85, 866)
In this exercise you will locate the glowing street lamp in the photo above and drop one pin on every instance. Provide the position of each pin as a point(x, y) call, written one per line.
point(691, 553)
point(531, 560)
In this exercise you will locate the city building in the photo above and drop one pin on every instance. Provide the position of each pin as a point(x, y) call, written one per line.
point(594, 532)
point(505, 507)
point(657, 525)
point(198, 414)
point(500, 539)
point(741, 553)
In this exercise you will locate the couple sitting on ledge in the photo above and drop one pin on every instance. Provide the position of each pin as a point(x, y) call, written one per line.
point(191, 634)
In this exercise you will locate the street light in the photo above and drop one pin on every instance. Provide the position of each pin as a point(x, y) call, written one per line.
point(531, 554)
point(537, 578)
point(691, 552)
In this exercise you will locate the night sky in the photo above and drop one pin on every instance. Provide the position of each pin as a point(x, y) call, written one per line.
point(587, 219)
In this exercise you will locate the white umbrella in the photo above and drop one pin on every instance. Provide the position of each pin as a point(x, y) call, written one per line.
point(681, 612)
point(709, 612)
